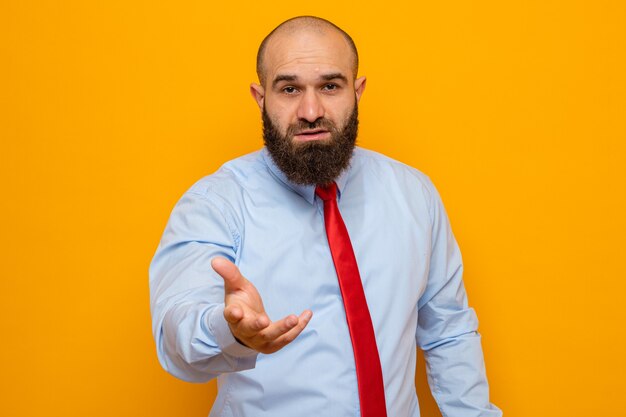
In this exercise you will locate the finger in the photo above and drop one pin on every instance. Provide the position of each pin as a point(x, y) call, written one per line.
point(253, 323)
point(284, 326)
point(262, 321)
point(233, 313)
point(290, 336)
point(250, 325)
point(278, 328)
point(233, 279)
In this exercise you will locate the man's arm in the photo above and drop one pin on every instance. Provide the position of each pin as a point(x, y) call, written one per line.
point(198, 326)
point(447, 329)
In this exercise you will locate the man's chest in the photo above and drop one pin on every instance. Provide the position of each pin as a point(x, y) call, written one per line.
point(284, 251)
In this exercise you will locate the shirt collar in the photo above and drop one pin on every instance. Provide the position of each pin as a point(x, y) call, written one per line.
point(305, 191)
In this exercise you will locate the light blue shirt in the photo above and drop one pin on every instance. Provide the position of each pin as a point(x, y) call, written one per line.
point(273, 230)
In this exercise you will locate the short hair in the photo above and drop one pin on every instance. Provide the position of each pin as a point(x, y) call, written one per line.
point(296, 23)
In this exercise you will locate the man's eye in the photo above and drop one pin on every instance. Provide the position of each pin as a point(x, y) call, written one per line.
point(330, 87)
point(289, 90)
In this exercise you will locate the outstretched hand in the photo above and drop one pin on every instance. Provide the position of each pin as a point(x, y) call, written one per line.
point(246, 315)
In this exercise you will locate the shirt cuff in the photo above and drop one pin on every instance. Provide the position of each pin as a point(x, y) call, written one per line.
point(218, 326)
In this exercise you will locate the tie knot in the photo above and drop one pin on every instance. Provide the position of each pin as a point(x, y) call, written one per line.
point(327, 192)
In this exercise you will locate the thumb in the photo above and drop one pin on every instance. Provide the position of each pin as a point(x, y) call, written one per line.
point(233, 279)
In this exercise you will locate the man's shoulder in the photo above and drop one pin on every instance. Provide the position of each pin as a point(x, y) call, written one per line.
point(379, 164)
point(387, 176)
point(231, 176)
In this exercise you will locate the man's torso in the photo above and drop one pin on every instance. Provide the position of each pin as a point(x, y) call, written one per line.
point(281, 247)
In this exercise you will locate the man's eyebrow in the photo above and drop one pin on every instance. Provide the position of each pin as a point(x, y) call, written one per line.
point(334, 76)
point(326, 77)
point(283, 77)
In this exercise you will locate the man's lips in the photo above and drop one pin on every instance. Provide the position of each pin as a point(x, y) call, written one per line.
point(315, 134)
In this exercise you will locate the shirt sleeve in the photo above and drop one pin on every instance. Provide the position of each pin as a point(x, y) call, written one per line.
point(447, 328)
point(193, 340)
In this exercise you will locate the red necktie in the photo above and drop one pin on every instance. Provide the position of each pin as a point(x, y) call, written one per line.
point(368, 371)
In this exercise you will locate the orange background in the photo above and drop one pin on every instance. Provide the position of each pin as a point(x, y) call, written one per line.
point(109, 111)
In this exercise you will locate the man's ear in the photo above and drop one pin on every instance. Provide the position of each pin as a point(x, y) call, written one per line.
point(258, 93)
point(359, 87)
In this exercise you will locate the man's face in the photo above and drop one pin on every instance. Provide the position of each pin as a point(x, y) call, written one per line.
point(309, 104)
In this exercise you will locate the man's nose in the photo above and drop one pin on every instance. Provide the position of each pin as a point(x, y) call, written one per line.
point(310, 107)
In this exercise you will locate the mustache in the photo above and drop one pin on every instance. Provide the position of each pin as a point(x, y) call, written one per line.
point(321, 123)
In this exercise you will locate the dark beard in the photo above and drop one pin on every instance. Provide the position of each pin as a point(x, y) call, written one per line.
point(313, 162)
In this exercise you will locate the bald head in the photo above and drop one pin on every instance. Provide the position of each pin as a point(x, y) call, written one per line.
point(301, 24)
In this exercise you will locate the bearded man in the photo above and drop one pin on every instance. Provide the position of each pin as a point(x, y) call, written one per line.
point(358, 243)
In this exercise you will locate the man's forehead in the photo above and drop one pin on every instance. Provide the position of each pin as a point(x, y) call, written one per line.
point(290, 51)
